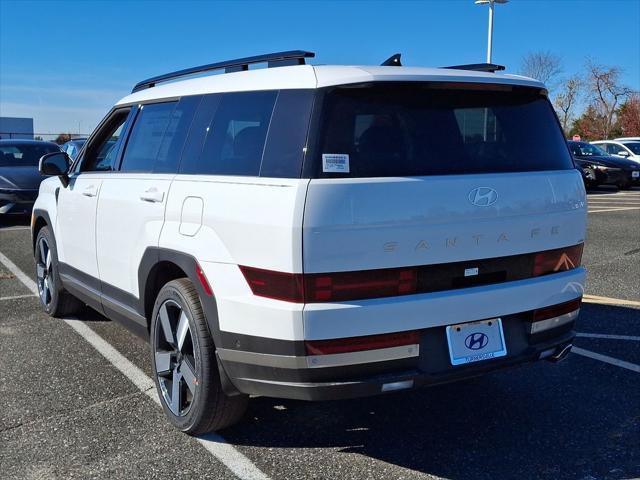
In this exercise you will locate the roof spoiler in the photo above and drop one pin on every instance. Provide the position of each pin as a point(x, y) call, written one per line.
point(277, 59)
point(478, 67)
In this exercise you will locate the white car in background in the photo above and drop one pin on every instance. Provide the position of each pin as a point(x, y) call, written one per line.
point(628, 147)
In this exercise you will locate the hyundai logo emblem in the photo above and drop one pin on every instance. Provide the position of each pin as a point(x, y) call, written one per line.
point(476, 341)
point(483, 196)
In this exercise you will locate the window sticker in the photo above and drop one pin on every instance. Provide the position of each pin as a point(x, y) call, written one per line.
point(335, 163)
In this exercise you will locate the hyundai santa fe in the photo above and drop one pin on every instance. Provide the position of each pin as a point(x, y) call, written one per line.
point(319, 232)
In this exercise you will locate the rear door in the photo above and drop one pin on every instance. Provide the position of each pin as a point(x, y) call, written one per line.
point(417, 174)
point(132, 202)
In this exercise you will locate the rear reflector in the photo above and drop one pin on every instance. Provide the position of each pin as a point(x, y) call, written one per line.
point(203, 280)
point(558, 260)
point(556, 310)
point(358, 344)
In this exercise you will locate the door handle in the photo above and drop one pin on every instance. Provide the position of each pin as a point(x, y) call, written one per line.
point(90, 191)
point(152, 195)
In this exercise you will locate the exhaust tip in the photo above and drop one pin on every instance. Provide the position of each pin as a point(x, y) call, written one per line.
point(560, 354)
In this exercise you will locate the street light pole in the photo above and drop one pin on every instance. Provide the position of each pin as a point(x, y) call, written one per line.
point(490, 34)
point(490, 37)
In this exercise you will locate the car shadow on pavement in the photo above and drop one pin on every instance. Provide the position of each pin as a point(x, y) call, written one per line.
point(14, 221)
point(576, 419)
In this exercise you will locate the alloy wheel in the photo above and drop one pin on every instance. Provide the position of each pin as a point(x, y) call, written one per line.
point(44, 272)
point(174, 358)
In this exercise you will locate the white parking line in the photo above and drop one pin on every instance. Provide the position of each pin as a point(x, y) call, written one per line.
point(15, 297)
point(609, 301)
point(216, 445)
point(26, 280)
point(606, 359)
point(614, 209)
point(611, 202)
point(633, 338)
point(14, 228)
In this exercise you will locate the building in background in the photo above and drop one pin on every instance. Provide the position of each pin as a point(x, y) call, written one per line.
point(16, 127)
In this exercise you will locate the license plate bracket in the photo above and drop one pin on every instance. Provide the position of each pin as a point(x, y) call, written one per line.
point(476, 341)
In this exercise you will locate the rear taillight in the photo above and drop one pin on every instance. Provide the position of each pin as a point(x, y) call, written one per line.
point(331, 287)
point(556, 310)
point(393, 282)
point(358, 344)
point(277, 285)
point(341, 286)
point(557, 260)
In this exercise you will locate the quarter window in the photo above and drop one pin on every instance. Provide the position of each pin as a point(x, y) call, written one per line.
point(236, 135)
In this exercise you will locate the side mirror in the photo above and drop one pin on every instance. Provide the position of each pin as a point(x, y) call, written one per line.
point(56, 163)
point(623, 153)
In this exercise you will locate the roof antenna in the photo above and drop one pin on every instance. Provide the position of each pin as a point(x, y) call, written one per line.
point(392, 61)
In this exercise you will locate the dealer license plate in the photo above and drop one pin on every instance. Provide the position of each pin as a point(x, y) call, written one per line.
point(476, 341)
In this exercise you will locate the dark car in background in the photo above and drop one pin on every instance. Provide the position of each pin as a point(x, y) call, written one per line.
point(73, 146)
point(600, 168)
point(19, 176)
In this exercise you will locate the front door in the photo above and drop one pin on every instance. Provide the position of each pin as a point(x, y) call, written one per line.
point(77, 203)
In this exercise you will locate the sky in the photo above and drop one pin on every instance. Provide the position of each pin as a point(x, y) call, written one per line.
point(66, 63)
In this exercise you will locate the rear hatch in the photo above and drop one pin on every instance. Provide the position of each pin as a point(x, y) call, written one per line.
point(411, 174)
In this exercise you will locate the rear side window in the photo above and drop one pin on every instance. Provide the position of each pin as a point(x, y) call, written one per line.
point(417, 129)
point(235, 136)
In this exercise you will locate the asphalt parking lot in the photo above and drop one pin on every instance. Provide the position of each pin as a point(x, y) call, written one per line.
point(77, 402)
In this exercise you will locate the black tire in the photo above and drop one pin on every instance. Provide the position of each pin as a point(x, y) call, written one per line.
point(55, 300)
point(625, 186)
point(181, 355)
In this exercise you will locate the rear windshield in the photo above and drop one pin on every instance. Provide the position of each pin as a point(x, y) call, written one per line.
point(393, 129)
point(24, 155)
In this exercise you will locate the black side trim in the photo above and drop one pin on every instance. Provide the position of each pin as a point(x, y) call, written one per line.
point(153, 257)
point(40, 215)
point(106, 299)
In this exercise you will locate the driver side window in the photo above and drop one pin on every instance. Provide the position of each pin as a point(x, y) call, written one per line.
point(101, 154)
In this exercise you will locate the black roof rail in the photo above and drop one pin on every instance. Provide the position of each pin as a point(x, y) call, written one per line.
point(277, 59)
point(479, 67)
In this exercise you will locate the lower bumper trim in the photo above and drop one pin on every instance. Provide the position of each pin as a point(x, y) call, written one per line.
point(320, 361)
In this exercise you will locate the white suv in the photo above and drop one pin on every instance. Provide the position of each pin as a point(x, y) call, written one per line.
point(319, 232)
point(621, 147)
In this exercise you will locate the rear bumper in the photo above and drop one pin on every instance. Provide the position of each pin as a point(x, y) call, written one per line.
point(17, 202)
point(295, 377)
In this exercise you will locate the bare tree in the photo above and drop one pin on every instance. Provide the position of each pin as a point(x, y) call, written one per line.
point(543, 66)
point(606, 92)
point(566, 100)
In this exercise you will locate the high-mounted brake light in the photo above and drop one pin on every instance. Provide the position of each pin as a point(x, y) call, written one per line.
point(359, 344)
point(558, 260)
